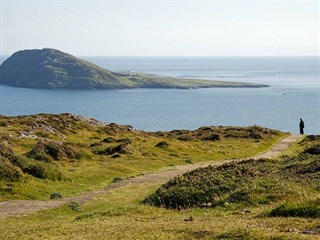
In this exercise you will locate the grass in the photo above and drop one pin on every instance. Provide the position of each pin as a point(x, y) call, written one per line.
point(66, 154)
point(307, 209)
point(119, 215)
point(246, 183)
point(271, 201)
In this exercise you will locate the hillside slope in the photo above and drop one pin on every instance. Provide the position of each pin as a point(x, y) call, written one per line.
point(74, 153)
point(50, 68)
point(292, 181)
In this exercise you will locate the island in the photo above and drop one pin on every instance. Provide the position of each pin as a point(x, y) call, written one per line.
point(51, 68)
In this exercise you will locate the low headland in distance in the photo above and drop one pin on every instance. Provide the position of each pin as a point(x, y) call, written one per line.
point(65, 158)
point(51, 68)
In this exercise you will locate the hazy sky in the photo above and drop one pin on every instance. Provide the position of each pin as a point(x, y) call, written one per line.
point(162, 28)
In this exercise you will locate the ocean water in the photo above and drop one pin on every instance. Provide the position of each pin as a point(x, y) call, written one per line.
point(294, 92)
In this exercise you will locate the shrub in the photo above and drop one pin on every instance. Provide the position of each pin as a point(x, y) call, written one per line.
point(36, 169)
point(8, 172)
point(212, 137)
point(74, 206)
point(308, 209)
point(122, 148)
point(109, 140)
point(5, 150)
point(312, 137)
point(55, 195)
point(185, 138)
point(125, 140)
point(95, 144)
point(302, 168)
point(48, 151)
point(205, 128)
point(117, 179)
point(256, 135)
point(248, 182)
point(188, 161)
point(314, 150)
point(162, 144)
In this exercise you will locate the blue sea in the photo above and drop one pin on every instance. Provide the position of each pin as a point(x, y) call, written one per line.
point(294, 92)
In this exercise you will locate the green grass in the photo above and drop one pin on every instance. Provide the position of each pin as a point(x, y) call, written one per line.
point(65, 160)
point(247, 193)
point(119, 215)
point(245, 183)
point(306, 209)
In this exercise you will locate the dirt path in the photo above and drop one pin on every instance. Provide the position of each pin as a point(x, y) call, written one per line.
point(279, 147)
point(24, 207)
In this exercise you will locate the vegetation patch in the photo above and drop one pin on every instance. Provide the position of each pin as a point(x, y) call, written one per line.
point(74, 206)
point(218, 133)
point(314, 149)
point(212, 137)
point(117, 179)
point(36, 169)
point(40, 150)
point(55, 195)
point(48, 151)
point(8, 172)
point(247, 182)
point(307, 209)
point(109, 140)
point(122, 148)
point(5, 150)
point(162, 144)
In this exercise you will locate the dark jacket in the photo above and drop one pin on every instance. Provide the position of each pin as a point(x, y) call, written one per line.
point(301, 124)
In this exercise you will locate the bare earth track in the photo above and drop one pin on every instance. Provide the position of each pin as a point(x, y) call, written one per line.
point(24, 207)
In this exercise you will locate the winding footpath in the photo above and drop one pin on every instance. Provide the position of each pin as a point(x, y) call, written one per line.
point(25, 207)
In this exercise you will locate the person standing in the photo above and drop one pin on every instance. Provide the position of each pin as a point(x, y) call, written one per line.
point(301, 126)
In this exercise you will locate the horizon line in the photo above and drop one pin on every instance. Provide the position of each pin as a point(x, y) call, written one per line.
point(190, 56)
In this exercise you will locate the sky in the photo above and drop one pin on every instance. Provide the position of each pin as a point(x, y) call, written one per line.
point(162, 27)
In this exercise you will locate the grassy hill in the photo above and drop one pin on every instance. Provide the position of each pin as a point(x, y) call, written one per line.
point(249, 183)
point(42, 154)
point(51, 68)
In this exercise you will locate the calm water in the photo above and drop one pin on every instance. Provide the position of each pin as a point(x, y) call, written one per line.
point(294, 93)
